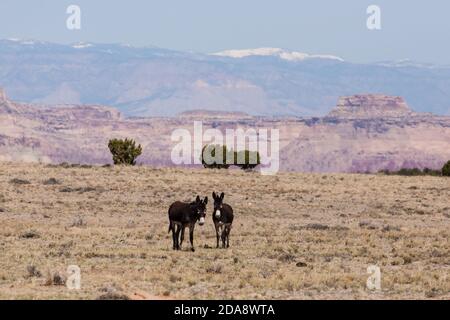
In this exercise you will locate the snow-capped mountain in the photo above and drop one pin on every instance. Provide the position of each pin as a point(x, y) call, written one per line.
point(405, 63)
point(274, 52)
point(27, 42)
point(82, 45)
point(152, 81)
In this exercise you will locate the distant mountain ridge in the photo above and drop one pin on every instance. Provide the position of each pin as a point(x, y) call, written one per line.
point(362, 133)
point(152, 81)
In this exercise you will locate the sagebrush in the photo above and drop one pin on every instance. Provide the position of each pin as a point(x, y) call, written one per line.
point(124, 152)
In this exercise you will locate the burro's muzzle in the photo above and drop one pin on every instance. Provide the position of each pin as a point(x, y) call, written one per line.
point(217, 214)
point(201, 221)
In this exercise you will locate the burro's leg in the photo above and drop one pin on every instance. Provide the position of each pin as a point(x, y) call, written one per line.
point(177, 236)
point(174, 239)
point(182, 236)
point(224, 236)
point(191, 236)
point(216, 225)
point(228, 235)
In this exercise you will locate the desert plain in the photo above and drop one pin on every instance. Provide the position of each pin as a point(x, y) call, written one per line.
point(295, 236)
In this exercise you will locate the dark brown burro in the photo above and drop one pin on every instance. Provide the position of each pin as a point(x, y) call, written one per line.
point(223, 219)
point(182, 215)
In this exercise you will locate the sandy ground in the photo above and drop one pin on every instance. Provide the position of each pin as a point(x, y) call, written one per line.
point(295, 236)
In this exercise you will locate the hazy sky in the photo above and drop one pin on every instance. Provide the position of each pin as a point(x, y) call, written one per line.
point(415, 29)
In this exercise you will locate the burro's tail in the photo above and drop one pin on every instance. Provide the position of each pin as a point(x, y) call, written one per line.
point(170, 220)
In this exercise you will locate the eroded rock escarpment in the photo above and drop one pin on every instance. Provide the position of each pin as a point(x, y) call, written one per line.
point(362, 133)
point(368, 133)
point(370, 106)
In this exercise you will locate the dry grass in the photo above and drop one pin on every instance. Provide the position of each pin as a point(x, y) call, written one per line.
point(296, 236)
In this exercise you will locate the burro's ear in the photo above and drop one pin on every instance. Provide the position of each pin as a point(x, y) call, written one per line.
point(222, 195)
point(197, 199)
point(214, 195)
point(206, 200)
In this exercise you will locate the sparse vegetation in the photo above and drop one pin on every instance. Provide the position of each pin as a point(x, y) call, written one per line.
point(124, 152)
point(33, 272)
point(113, 296)
point(19, 181)
point(446, 169)
point(31, 234)
point(247, 160)
point(51, 182)
point(413, 172)
point(67, 165)
point(215, 268)
point(78, 222)
point(211, 152)
point(55, 278)
point(296, 236)
point(80, 189)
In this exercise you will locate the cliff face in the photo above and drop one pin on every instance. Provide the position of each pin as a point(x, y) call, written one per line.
point(369, 145)
point(368, 133)
point(2, 95)
point(5, 105)
point(363, 133)
point(370, 106)
point(52, 133)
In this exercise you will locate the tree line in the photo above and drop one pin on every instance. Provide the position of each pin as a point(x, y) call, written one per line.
point(126, 151)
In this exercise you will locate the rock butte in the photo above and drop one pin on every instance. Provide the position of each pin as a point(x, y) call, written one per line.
point(362, 133)
point(370, 106)
point(2, 95)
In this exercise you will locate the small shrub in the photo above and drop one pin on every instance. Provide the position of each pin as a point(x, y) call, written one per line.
point(208, 157)
point(66, 189)
point(174, 278)
point(149, 236)
point(55, 279)
point(368, 225)
point(286, 257)
point(113, 296)
point(446, 169)
point(412, 172)
point(64, 165)
point(81, 189)
point(19, 181)
point(317, 226)
point(124, 152)
point(78, 222)
point(215, 268)
point(31, 234)
point(247, 160)
point(51, 182)
point(33, 272)
point(388, 228)
point(431, 172)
